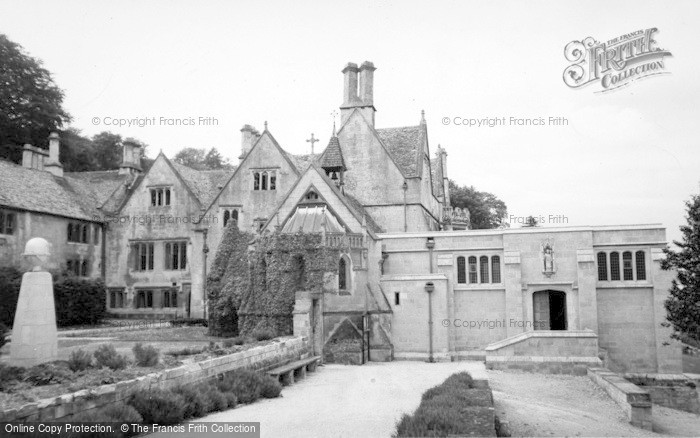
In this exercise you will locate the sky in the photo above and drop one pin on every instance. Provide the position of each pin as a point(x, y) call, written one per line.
point(629, 156)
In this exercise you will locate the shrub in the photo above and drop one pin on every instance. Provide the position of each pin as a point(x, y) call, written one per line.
point(263, 334)
point(243, 383)
point(215, 400)
point(238, 340)
point(147, 356)
point(79, 360)
point(269, 387)
point(9, 375)
point(3, 332)
point(441, 411)
point(189, 322)
point(187, 351)
point(10, 281)
point(159, 406)
point(79, 301)
point(48, 374)
point(106, 356)
point(122, 413)
point(195, 403)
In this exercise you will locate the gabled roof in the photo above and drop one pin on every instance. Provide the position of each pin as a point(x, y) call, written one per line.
point(77, 195)
point(204, 184)
point(332, 157)
point(352, 204)
point(301, 162)
point(405, 144)
point(103, 186)
point(312, 219)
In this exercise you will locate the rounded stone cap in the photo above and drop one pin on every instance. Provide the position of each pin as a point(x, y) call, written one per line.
point(37, 247)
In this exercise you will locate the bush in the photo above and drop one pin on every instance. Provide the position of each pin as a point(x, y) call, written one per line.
point(238, 340)
point(9, 375)
point(243, 383)
point(3, 332)
point(48, 374)
point(263, 334)
point(79, 301)
point(269, 387)
point(215, 400)
point(189, 322)
point(106, 356)
point(441, 411)
point(159, 406)
point(195, 402)
point(10, 281)
point(79, 360)
point(187, 351)
point(122, 413)
point(147, 356)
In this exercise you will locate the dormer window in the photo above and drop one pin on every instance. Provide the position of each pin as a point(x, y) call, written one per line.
point(160, 196)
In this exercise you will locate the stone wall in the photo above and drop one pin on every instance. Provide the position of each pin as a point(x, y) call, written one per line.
point(676, 391)
point(63, 407)
point(635, 401)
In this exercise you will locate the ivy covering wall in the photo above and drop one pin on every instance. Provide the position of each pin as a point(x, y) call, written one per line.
point(250, 289)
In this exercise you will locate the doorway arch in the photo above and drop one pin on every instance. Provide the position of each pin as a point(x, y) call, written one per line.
point(549, 310)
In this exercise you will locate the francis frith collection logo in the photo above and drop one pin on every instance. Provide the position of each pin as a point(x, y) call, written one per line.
point(615, 63)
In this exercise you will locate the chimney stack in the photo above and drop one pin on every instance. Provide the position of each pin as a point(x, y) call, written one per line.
point(131, 158)
point(367, 83)
point(53, 165)
point(33, 157)
point(249, 135)
point(362, 78)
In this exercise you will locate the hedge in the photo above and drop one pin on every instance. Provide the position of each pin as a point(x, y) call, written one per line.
point(78, 301)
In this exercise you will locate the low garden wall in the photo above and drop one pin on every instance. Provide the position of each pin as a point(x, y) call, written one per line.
point(635, 401)
point(544, 351)
point(676, 391)
point(62, 408)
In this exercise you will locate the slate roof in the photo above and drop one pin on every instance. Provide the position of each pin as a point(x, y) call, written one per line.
point(405, 145)
point(360, 210)
point(104, 187)
point(72, 196)
point(203, 183)
point(332, 157)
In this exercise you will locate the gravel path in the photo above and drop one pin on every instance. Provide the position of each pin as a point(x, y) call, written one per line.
point(347, 401)
point(557, 405)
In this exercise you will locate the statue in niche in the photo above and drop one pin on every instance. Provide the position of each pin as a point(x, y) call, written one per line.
point(547, 256)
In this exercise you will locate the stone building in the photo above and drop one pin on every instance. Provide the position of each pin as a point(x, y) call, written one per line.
point(37, 199)
point(410, 280)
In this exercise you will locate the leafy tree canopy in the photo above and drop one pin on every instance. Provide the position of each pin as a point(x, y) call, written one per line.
point(683, 303)
point(201, 159)
point(31, 104)
point(485, 209)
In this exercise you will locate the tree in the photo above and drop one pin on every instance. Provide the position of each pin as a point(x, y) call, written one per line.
point(77, 154)
point(485, 209)
point(30, 101)
point(683, 303)
point(108, 150)
point(531, 221)
point(200, 159)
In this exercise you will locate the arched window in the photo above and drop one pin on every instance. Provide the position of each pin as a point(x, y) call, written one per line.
point(344, 274)
point(256, 181)
point(484, 269)
point(641, 266)
point(496, 269)
point(234, 215)
point(627, 272)
point(263, 184)
point(461, 270)
point(227, 216)
point(602, 266)
point(614, 266)
point(273, 180)
point(472, 270)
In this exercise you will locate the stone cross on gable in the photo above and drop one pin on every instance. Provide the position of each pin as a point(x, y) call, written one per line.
point(312, 140)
